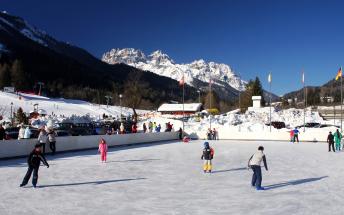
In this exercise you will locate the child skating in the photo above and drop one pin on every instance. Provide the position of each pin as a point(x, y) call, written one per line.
point(103, 148)
point(34, 161)
point(207, 156)
point(254, 163)
point(291, 136)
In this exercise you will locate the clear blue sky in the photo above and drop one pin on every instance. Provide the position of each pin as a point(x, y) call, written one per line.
point(252, 36)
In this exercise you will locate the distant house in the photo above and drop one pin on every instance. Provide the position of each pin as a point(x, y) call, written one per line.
point(177, 109)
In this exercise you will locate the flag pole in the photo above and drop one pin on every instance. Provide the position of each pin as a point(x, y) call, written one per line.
point(270, 79)
point(210, 102)
point(341, 101)
point(304, 102)
point(183, 100)
point(334, 108)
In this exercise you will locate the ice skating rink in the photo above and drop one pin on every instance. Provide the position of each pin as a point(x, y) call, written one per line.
point(168, 179)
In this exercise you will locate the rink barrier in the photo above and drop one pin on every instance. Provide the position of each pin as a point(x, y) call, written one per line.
point(310, 135)
point(19, 148)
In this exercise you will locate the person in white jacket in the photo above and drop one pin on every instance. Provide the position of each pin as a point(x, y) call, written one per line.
point(21, 133)
point(27, 133)
point(254, 163)
point(43, 138)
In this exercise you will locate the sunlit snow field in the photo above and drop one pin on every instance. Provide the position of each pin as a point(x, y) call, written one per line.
point(167, 178)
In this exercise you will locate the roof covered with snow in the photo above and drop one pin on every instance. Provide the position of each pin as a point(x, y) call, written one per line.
point(194, 107)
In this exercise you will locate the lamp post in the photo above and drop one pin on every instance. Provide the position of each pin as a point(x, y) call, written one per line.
point(269, 80)
point(199, 96)
point(40, 88)
point(12, 113)
point(108, 98)
point(120, 104)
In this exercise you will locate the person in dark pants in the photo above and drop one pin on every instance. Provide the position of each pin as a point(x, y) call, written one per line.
point(2, 132)
point(52, 140)
point(254, 163)
point(43, 138)
point(330, 140)
point(180, 133)
point(34, 161)
point(296, 135)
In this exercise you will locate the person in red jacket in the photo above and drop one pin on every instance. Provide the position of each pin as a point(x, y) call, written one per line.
point(103, 148)
point(134, 128)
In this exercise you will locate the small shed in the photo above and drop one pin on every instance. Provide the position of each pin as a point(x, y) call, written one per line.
point(256, 101)
point(177, 109)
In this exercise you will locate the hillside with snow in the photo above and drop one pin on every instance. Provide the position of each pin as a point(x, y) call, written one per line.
point(195, 73)
point(60, 108)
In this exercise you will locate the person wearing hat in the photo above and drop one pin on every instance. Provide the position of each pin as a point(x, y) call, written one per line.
point(43, 138)
point(34, 161)
point(207, 156)
point(254, 163)
point(330, 140)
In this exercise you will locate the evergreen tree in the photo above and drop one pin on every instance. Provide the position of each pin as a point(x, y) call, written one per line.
point(214, 100)
point(5, 75)
point(253, 88)
point(18, 76)
point(257, 90)
point(21, 117)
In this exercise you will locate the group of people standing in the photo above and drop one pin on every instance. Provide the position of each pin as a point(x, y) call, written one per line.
point(294, 135)
point(212, 134)
point(151, 127)
point(334, 138)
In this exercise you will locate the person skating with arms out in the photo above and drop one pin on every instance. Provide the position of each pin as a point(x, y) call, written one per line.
point(207, 156)
point(34, 161)
point(254, 163)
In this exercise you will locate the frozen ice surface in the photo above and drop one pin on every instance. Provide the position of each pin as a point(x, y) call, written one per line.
point(167, 178)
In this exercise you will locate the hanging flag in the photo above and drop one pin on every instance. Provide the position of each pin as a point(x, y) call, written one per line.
point(303, 77)
point(182, 81)
point(210, 82)
point(269, 77)
point(339, 74)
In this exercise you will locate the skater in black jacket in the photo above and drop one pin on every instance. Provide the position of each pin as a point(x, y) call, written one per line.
point(34, 161)
point(330, 140)
point(207, 156)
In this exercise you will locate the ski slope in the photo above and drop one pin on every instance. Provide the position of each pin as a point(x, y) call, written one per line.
point(168, 179)
point(58, 107)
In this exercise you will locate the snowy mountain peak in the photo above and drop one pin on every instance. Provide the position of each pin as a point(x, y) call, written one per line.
point(157, 57)
point(19, 24)
point(161, 64)
point(128, 56)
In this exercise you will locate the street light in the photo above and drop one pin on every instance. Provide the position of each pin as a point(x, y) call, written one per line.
point(120, 104)
point(108, 98)
point(199, 96)
point(12, 113)
point(40, 87)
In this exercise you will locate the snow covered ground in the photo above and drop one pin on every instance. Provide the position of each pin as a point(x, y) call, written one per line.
point(168, 179)
point(59, 107)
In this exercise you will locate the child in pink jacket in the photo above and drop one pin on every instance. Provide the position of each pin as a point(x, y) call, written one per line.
point(103, 148)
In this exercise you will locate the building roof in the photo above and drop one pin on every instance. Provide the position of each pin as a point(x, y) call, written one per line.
point(194, 107)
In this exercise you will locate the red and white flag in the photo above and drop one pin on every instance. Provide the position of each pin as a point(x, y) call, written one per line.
point(210, 82)
point(303, 77)
point(269, 78)
point(182, 81)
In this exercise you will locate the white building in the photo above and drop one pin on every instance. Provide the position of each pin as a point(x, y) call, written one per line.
point(177, 109)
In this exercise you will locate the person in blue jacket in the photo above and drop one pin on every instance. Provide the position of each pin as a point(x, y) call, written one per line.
point(296, 135)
